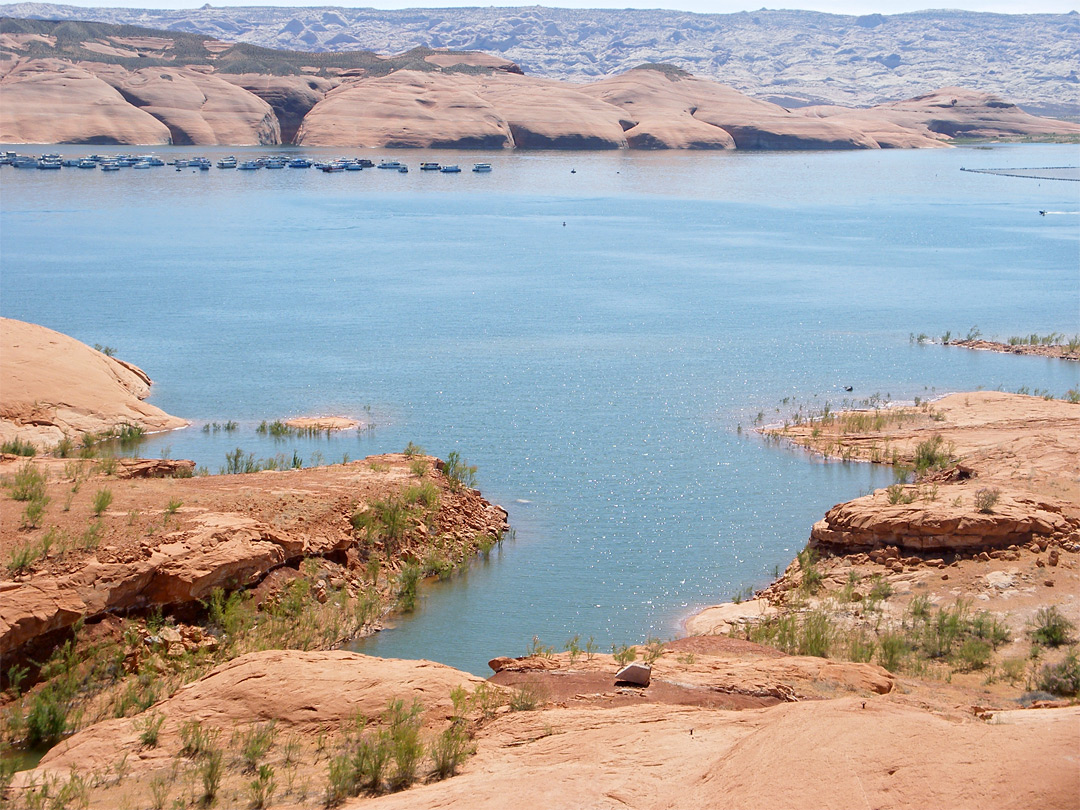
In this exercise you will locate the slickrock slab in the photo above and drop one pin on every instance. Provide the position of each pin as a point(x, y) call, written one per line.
point(51, 385)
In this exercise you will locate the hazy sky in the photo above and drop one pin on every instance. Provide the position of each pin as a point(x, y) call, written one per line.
point(700, 6)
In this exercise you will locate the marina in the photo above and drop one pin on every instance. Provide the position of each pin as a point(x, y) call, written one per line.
point(111, 163)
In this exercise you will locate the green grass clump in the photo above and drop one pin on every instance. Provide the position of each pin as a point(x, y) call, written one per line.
point(408, 583)
point(102, 499)
point(932, 454)
point(149, 729)
point(812, 577)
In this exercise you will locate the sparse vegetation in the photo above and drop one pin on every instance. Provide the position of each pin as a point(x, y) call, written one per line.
point(18, 447)
point(1062, 678)
point(624, 654)
point(458, 473)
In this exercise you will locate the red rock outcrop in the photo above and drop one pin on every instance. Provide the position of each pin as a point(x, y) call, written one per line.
point(51, 385)
point(226, 551)
point(50, 101)
point(952, 524)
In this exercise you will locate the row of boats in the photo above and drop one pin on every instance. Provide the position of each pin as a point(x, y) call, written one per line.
point(112, 163)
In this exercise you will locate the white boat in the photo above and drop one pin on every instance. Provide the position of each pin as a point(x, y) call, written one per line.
point(481, 167)
point(249, 165)
point(390, 164)
point(429, 167)
point(450, 169)
point(227, 163)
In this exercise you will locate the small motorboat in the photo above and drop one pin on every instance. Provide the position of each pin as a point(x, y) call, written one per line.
point(481, 167)
point(451, 169)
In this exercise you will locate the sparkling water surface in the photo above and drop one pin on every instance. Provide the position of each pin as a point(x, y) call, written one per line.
point(590, 329)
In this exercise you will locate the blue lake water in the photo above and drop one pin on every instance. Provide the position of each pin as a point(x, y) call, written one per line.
point(592, 341)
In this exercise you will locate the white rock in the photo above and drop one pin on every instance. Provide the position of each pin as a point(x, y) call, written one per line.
point(635, 673)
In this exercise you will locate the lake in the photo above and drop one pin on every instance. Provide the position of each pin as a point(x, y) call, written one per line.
point(597, 332)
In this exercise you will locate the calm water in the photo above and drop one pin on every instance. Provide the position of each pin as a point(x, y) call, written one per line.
point(591, 340)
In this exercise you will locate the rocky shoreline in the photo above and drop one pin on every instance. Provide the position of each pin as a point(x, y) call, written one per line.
point(1058, 350)
point(986, 524)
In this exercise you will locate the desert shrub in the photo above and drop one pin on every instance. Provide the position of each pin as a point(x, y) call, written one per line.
point(880, 590)
point(210, 770)
point(654, 649)
point(1062, 678)
point(47, 720)
point(812, 577)
point(624, 654)
point(458, 473)
point(861, 647)
point(899, 494)
point(405, 746)
point(22, 558)
point(195, 741)
point(408, 583)
point(892, 649)
point(815, 636)
point(28, 483)
point(1051, 628)
point(986, 499)
point(526, 697)
point(487, 700)
point(255, 742)
point(261, 788)
point(412, 450)
point(449, 750)
point(35, 510)
point(974, 653)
